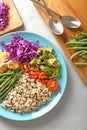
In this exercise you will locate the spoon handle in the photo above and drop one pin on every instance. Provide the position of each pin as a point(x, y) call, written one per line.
point(48, 9)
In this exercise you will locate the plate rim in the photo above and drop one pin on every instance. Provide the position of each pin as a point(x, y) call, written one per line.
point(32, 33)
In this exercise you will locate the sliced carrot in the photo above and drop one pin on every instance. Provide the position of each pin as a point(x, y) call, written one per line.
point(52, 84)
point(43, 77)
point(33, 75)
point(25, 66)
point(34, 72)
point(35, 69)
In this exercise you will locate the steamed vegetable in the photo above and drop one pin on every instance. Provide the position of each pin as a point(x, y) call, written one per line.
point(52, 84)
point(20, 49)
point(47, 62)
point(43, 77)
point(79, 45)
point(7, 81)
point(33, 72)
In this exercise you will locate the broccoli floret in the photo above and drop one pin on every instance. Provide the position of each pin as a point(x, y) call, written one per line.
point(53, 62)
point(40, 50)
point(47, 61)
point(46, 69)
point(50, 62)
point(33, 62)
point(50, 56)
point(49, 49)
point(56, 63)
point(56, 72)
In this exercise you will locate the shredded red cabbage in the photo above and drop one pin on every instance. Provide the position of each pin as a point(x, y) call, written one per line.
point(20, 49)
point(3, 15)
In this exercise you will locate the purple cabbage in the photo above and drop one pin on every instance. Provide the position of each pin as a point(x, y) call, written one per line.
point(3, 15)
point(20, 49)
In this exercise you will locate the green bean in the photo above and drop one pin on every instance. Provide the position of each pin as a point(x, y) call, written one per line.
point(3, 89)
point(75, 54)
point(5, 94)
point(2, 79)
point(82, 33)
point(83, 40)
point(83, 53)
point(8, 83)
point(79, 35)
point(3, 84)
point(9, 87)
point(80, 64)
point(6, 74)
point(79, 44)
point(77, 48)
point(85, 57)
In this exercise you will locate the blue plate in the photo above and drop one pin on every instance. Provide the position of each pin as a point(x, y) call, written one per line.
point(56, 96)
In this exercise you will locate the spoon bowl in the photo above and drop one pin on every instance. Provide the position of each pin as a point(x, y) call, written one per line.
point(56, 26)
point(68, 21)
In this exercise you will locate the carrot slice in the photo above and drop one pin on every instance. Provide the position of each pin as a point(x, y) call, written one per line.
point(35, 69)
point(52, 84)
point(25, 66)
point(43, 77)
point(34, 72)
point(33, 75)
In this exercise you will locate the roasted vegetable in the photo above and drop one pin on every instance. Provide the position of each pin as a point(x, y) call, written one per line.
point(13, 64)
point(3, 56)
point(47, 62)
point(45, 50)
point(3, 67)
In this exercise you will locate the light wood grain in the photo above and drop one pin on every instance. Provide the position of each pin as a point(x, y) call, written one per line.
point(15, 21)
point(77, 8)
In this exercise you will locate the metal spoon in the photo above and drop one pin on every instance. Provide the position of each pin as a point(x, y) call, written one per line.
point(54, 24)
point(68, 21)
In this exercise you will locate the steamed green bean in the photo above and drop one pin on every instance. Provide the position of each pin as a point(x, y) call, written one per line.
point(7, 84)
point(79, 45)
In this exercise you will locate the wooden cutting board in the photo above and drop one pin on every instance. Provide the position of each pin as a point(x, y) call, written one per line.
point(77, 8)
point(15, 22)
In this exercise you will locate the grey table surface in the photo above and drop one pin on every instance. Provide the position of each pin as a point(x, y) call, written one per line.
point(71, 112)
